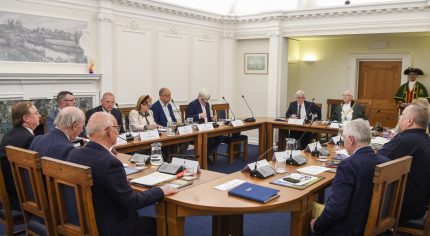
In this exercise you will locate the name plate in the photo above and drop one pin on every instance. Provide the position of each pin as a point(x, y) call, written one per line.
point(293, 121)
point(188, 164)
point(311, 146)
point(151, 134)
point(236, 123)
point(334, 125)
point(187, 129)
point(205, 127)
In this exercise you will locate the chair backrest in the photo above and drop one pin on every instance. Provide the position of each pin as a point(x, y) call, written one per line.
point(221, 111)
point(366, 105)
point(6, 218)
point(389, 185)
point(70, 198)
point(125, 111)
point(183, 109)
point(331, 106)
point(27, 174)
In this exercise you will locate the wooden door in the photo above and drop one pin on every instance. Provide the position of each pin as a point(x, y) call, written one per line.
point(378, 81)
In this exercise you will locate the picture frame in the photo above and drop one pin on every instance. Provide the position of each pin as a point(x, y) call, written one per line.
point(256, 63)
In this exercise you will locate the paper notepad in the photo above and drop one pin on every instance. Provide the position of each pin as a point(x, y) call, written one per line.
point(312, 170)
point(153, 179)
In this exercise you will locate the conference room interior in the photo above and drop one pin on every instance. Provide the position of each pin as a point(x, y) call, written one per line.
point(136, 47)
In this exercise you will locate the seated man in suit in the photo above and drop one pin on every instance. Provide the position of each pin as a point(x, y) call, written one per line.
point(348, 110)
point(200, 111)
point(412, 140)
point(347, 208)
point(302, 109)
point(107, 103)
point(64, 99)
point(162, 109)
point(25, 119)
point(57, 143)
point(115, 203)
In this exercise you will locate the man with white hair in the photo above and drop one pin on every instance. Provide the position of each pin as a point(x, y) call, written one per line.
point(412, 140)
point(115, 203)
point(348, 110)
point(347, 208)
point(57, 143)
point(199, 110)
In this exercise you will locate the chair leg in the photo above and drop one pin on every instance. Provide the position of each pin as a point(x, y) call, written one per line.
point(231, 153)
point(245, 150)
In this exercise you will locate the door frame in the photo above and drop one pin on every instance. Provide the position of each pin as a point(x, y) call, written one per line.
point(356, 58)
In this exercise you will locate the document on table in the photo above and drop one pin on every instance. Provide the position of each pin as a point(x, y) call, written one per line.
point(312, 170)
point(229, 185)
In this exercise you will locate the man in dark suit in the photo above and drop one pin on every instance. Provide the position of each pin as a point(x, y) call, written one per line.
point(57, 143)
point(162, 109)
point(115, 203)
point(347, 208)
point(107, 105)
point(412, 140)
point(302, 109)
point(64, 99)
point(348, 110)
point(25, 119)
point(199, 110)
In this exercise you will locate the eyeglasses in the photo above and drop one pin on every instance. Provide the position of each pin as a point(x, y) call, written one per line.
point(114, 126)
point(70, 100)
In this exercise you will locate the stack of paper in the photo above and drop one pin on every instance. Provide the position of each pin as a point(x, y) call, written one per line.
point(153, 179)
point(312, 170)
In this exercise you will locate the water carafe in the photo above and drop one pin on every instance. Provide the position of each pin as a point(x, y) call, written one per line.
point(156, 156)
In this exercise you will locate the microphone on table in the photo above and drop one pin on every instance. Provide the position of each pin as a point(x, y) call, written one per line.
point(128, 135)
point(176, 108)
point(263, 171)
point(250, 119)
point(229, 107)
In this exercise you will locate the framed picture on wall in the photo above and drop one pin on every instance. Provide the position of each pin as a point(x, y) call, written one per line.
point(256, 63)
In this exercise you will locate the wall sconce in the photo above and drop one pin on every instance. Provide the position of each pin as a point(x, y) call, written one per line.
point(310, 58)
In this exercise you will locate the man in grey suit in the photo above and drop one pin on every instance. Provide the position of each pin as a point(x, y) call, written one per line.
point(64, 99)
point(57, 143)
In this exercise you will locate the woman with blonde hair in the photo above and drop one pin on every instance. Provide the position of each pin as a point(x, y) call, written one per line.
point(141, 117)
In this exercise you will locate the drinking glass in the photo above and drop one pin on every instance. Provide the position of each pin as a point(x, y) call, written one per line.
point(189, 121)
point(156, 156)
point(171, 128)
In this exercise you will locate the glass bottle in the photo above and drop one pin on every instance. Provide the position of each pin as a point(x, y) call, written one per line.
point(156, 156)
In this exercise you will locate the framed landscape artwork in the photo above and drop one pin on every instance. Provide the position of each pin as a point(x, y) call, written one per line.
point(256, 63)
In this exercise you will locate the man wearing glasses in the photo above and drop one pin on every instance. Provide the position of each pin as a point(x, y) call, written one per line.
point(25, 118)
point(162, 109)
point(348, 110)
point(57, 143)
point(107, 105)
point(64, 99)
point(115, 203)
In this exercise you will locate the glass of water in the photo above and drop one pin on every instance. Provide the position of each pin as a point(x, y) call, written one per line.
point(189, 121)
point(156, 156)
point(171, 128)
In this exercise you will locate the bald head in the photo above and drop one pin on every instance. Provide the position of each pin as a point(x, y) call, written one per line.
point(98, 122)
point(347, 96)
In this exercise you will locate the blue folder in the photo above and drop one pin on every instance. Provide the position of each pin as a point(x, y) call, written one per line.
point(254, 192)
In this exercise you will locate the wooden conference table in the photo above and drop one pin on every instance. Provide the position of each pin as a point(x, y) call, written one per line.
point(264, 125)
point(201, 199)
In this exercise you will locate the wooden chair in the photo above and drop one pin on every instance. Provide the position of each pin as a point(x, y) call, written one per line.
point(419, 227)
point(70, 198)
point(8, 217)
point(27, 174)
point(125, 111)
point(389, 185)
point(183, 109)
point(233, 141)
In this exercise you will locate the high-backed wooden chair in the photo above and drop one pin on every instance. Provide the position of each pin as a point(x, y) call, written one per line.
point(419, 227)
point(125, 111)
point(389, 185)
point(233, 141)
point(8, 217)
point(183, 109)
point(27, 174)
point(70, 198)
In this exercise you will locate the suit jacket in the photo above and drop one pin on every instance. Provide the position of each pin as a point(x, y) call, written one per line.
point(115, 203)
point(347, 208)
point(19, 137)
point(310, 108)
point(138, 121)
point(115, 112)
point(159, 116)
point(50, 117)
point(414, 142)
point(194, 109)
point(53, 144)
point(419, 91)
point(357, 112)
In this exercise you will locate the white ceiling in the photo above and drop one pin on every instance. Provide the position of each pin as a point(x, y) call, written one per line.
point(248, 7)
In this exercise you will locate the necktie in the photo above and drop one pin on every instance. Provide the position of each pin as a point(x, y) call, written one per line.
point(300, 111)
